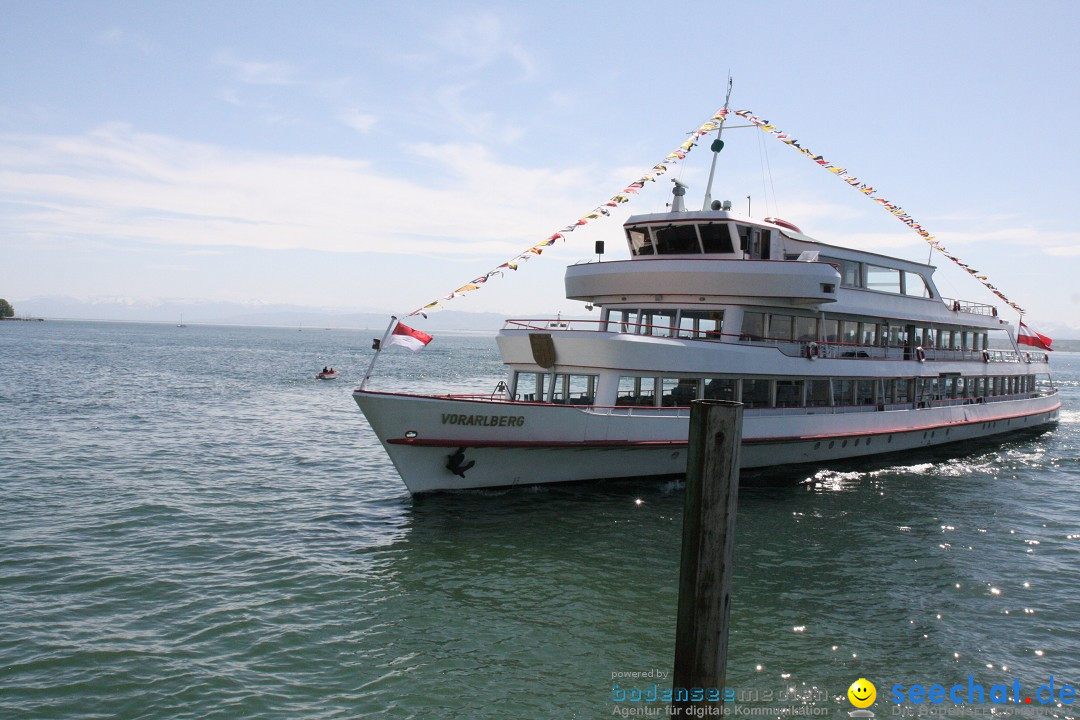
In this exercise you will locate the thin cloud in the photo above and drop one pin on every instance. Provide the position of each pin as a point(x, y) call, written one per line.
point(359, 121)
point(114, 183)
point(255, 72)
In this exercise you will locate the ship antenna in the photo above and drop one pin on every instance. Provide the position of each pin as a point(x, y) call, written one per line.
point(717, 146)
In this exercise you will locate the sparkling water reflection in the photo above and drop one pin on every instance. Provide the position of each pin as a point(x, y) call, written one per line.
point(194, 527)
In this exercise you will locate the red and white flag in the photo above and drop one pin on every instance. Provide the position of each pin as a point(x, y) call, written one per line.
point(1027, 336)
point(406, 337)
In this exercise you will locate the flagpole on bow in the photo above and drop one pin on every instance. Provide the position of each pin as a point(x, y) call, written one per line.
point(378, 349)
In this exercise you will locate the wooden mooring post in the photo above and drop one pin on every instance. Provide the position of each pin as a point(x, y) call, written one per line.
point(708, 548)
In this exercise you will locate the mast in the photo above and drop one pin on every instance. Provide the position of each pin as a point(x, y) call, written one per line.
point(717, 146)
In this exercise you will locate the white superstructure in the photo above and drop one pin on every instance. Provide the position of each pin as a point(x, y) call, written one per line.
point(835, 352)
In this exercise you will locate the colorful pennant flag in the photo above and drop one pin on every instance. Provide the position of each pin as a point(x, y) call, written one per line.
point(600, 211)
point(869, 191)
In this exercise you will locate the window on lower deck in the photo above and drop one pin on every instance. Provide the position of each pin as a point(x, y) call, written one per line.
point(756, 393)
point(678, 392)
point(636, 391)
point(720, 389)
point(574, 389)
point(817, 393)
point(789, 393)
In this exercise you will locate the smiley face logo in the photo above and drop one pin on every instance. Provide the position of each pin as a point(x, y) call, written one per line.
point(862, 693)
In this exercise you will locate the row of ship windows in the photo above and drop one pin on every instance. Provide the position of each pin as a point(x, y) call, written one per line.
point(755, 243)
point(783, 327)
point(882, 279)
point(572, 389)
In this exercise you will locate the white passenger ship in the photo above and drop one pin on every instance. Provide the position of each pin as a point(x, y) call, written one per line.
point(834, 352)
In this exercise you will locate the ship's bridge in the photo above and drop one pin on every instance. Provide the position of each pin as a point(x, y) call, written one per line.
point(705, 257)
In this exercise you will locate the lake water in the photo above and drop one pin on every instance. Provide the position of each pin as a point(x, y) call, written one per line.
point(194, 527)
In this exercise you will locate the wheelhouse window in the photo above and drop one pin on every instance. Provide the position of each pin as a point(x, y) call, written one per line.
point(716, 238)
point(677, 240)
point(640, 241)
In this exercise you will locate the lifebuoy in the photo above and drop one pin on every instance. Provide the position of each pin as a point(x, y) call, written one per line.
point(811, 350)
point(986, 356)
point(920, 354)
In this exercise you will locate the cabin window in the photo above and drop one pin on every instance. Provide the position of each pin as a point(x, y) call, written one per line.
point(637, 391)
point(789, 393)
point(661, 322)
point(679, 392)
point(901, 390)
point(701, 324)
point(574, 389)
point(832, 330)
point(882, 279)
point(756, 393)
point(753, 326)
point(843, 391)
point(868, 333)
point(865, 392)
point(806, 329)
point(531, 386)
point(640, 242)
point(780, 327)
point(677, 240)
point(850, 271)
point(720, 389)
point(817, 393)
point(915, 285)
point(716, 238)
point(849, 332)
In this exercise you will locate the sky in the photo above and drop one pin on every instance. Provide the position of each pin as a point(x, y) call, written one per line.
point(376, 156)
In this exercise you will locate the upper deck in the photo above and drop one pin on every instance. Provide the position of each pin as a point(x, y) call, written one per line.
point(713, 257)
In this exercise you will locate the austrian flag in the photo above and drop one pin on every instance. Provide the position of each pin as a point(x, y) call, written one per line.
point(1027, 336)
point(406, 337)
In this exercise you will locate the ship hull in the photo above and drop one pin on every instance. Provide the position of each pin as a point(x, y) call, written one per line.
point(449, 443)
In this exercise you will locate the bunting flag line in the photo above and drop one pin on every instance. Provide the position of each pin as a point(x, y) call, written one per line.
point(869, 191)
point(599, 212)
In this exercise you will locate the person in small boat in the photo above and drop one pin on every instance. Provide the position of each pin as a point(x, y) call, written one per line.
point(324, 370)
